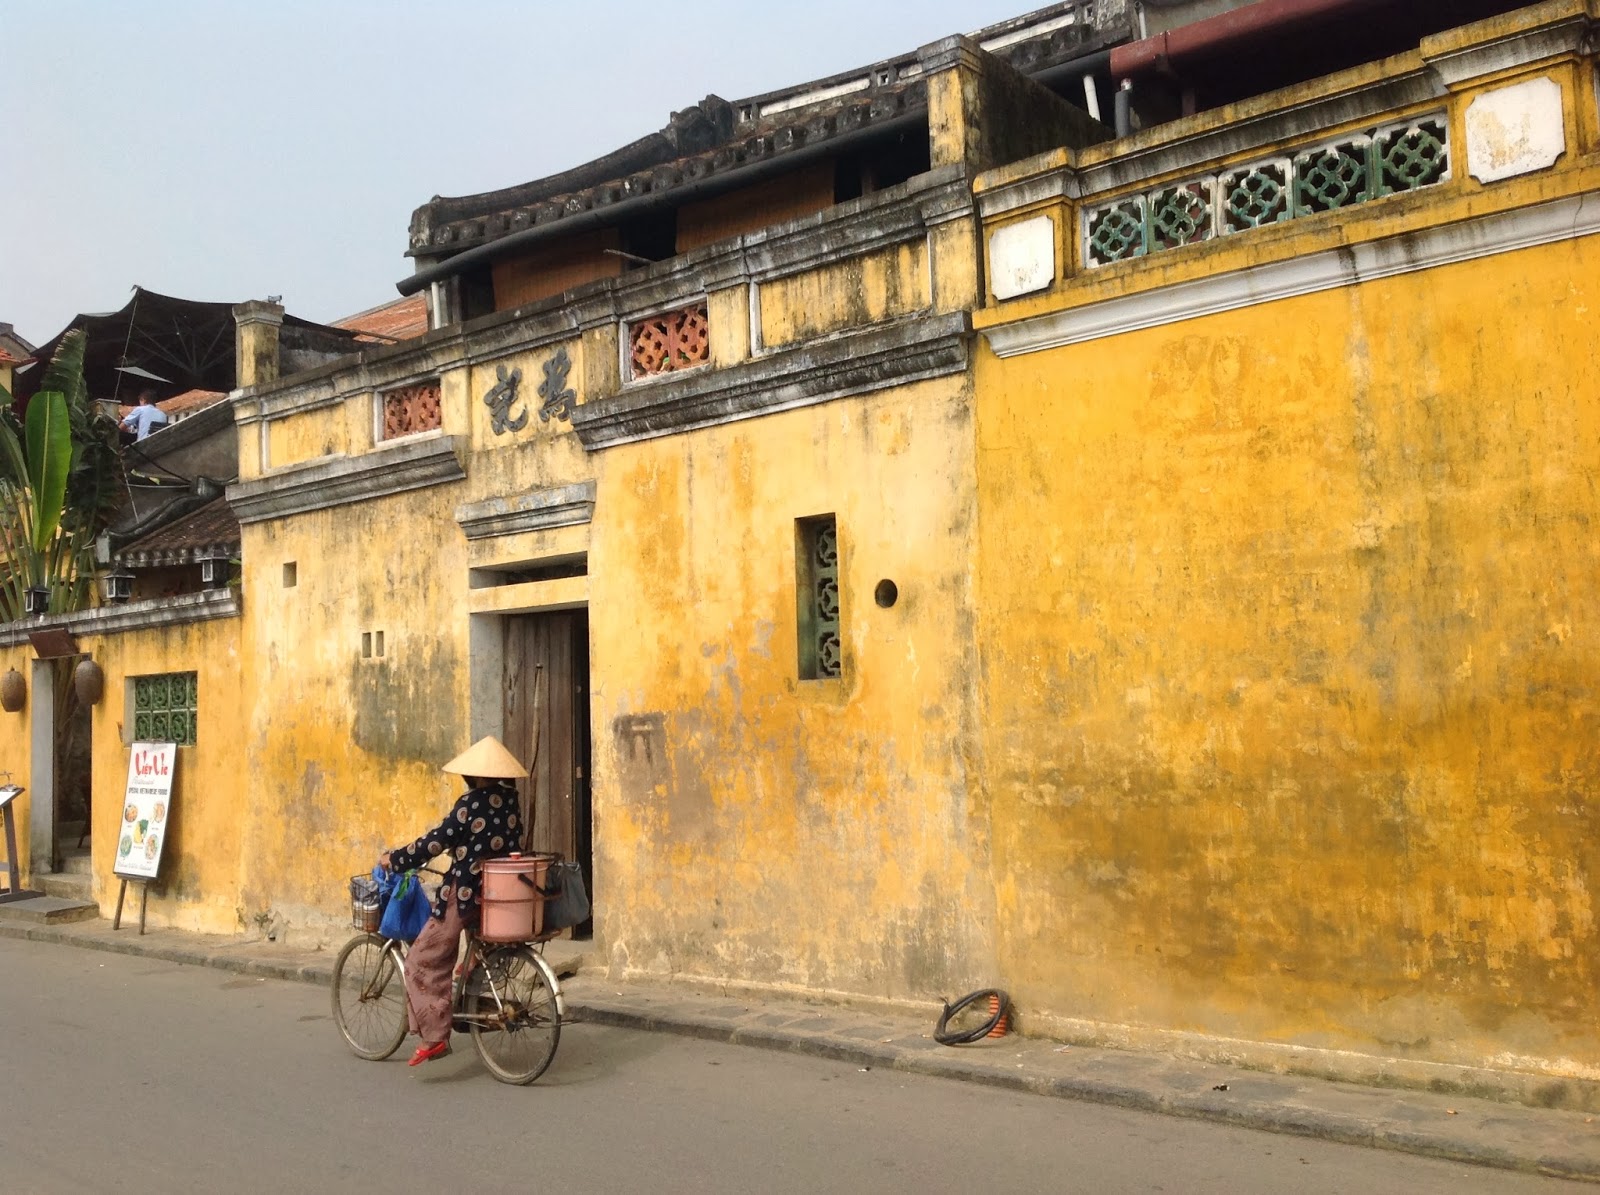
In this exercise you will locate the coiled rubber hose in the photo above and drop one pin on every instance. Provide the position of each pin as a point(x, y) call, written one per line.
point(998, 1002)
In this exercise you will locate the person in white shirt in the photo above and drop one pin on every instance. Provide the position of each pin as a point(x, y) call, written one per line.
point(144, 418)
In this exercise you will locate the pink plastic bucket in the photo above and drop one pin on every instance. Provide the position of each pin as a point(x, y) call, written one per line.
point(513, 900)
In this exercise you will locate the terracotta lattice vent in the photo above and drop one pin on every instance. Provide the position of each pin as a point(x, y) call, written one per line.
point(673, 340)
point(411, 409)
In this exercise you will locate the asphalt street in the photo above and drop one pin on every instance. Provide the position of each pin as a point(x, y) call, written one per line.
point(130, 1075)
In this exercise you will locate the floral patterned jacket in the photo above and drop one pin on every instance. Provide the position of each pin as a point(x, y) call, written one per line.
point(483, 824)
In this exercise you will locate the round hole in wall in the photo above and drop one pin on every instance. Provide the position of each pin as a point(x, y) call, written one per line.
point(886, 594)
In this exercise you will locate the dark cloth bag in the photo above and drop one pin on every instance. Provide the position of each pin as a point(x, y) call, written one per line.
point(569, 905)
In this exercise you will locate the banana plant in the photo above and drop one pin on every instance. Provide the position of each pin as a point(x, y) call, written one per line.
point(60, 479)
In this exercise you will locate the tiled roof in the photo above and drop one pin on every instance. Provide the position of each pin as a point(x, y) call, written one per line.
point(211, 529)
point(715, 137)
point(7, 359)
point(180, 405)
point(400, 320)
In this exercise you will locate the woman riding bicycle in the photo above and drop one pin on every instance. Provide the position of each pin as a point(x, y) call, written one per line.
point(483, 824)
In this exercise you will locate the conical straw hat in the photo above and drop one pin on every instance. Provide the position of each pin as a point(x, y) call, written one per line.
point(487, 758)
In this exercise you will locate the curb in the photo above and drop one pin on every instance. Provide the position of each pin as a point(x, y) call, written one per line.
point(1266, 1115)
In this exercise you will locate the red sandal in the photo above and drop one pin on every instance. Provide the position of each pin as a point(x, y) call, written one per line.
point(426, 1053)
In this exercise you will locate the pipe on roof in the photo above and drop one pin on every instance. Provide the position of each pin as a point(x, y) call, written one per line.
point(612, 213)
point(1076, 68)
point(1167, 50)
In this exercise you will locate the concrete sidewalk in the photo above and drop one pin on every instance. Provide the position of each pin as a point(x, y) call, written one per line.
point(1510, 1136)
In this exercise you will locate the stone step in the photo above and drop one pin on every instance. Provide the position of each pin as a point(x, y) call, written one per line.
point(67, 885)
point(47, 910)
point(78, 863)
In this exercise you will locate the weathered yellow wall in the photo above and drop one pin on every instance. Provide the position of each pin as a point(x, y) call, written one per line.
point(748, 823)
point(1289, 619)
point(345, 750)
point(856, 291)
point(198, 885)
point(301, 438)
point(199, 873)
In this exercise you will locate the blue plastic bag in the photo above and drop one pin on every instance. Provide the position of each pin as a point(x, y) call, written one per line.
point(408, 909)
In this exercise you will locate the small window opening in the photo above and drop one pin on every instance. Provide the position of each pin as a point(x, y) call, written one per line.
point(366, 645)
point(477, 292)
point(651, 238)
point(817, 606)
point(378, 643)
point(291, 575)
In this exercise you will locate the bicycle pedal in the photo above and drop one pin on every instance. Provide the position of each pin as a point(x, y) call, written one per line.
point(461, 1026)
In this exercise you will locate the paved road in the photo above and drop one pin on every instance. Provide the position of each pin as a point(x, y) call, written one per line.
point(129, 1075)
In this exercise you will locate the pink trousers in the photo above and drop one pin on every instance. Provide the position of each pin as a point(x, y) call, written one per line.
point(430, 968)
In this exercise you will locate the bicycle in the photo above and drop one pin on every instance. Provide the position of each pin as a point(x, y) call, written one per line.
point(504, 994)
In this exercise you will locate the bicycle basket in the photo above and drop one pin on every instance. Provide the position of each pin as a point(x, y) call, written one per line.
point(366, 904)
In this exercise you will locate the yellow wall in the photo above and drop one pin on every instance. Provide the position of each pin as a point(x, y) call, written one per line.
point(748, 823)
point(198, 885)
point(850, 293)
point(302, 438)
point(1290, 623)
point(344, 749)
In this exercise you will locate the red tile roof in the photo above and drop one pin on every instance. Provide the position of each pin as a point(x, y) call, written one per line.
point(183, 404)
point(400, 320)
point(7, 359)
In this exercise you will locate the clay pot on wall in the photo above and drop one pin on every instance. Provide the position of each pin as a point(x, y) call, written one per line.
point(13, 691)
point(89, 681)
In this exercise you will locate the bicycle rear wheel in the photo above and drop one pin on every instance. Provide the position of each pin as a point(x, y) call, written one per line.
point(512, 1007)
point(369, 997)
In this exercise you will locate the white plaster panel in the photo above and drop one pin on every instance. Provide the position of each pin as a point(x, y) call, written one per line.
point(1022, 257)
point(1515, 130)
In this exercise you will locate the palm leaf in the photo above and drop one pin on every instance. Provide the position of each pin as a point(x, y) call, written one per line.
point(65, 371)
point(49, 449)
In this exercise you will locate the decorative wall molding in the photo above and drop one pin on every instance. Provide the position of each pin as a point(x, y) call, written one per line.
point(886, 218)
point(151, 614)
point(909, 350)
point(1484, 236)
point(410, 464)
point(536, 510)
point(1522, 48)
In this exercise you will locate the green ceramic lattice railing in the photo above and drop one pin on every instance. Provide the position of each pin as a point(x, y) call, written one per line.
point(1323, 178)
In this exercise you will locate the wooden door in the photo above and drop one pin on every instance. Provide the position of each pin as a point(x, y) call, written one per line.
point(546, 720)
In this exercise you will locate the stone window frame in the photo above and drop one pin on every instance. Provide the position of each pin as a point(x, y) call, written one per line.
point(380, 408)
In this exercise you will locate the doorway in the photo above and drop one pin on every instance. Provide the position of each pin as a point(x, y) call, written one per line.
point(545, 695)
point(61, 768)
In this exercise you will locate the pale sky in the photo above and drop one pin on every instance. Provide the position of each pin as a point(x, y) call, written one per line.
point(227, 151)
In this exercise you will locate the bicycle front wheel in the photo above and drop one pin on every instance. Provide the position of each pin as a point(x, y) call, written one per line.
point(369, 997)
point(512, 1008)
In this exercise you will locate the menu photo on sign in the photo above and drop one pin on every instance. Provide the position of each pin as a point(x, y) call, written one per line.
point(145, 810)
